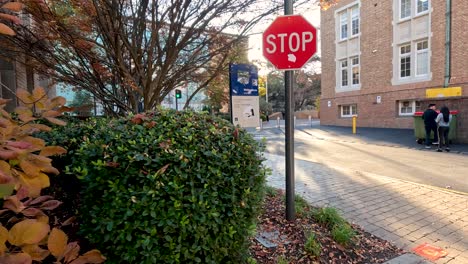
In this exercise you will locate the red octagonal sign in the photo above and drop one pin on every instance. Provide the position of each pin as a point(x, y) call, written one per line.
point(289, 42)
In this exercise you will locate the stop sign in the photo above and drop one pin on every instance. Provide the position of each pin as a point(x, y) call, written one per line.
point(289, 42)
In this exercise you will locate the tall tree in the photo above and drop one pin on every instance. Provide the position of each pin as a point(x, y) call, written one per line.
point(126, 51)
point(307, 89)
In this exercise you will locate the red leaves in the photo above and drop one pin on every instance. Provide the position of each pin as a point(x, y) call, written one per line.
point(235, 134)
point(112, 164)
point(138, 119)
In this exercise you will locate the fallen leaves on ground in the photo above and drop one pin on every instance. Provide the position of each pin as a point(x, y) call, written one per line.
point(364, 248)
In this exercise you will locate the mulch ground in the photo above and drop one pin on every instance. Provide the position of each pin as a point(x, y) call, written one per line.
point(364, 247)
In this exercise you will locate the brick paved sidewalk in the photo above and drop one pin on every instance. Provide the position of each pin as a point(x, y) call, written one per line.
point(404, 213)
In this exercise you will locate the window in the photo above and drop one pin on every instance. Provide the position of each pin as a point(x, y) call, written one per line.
point(347, 67)
point(405, 9)
point(354, 21)
point(422, 58)
point(343, 26)
point(405, 61)
point(349, 71)
point(422, 6)
point(355, 70)
point(348, 110)
point(349, 14)
point(344, 73)
point(408, 107)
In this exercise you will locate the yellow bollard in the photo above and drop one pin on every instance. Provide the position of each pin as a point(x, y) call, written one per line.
point(354, 124)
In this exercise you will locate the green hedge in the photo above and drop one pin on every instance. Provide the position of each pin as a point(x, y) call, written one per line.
point(170, 187)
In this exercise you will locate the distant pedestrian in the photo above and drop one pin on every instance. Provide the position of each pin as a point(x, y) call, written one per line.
point(430, 125)
point(443, 127)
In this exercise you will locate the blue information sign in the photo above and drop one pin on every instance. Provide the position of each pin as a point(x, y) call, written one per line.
point(243, 80)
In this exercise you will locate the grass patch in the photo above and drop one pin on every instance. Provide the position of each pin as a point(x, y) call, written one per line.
point(301, 206)
point(328, 217)
point(282, 260)
point(312, 245)
point(343, 233)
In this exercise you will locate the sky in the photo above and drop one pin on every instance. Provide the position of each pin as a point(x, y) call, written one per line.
point(311, 13)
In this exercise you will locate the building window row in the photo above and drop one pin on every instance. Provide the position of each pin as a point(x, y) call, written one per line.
point(413, 7)
point(405, 108)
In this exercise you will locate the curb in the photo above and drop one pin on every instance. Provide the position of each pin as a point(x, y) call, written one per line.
point(408, 258)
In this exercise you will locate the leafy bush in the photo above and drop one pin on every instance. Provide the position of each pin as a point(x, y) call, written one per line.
point(170, 187)
point(71, 135)
point(312, 245)
point(343, 233)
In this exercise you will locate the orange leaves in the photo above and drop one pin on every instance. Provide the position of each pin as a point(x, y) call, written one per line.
point(37, 104)
point(36, 252)
point(6, 30)
point(57, 243)
point(52, 150)
point(24, 163)
point(20, 258)
point(28, 232)
point(326, 4)
point(30, 153)
point(60, 248)
point(92, 256)
point(13, 6)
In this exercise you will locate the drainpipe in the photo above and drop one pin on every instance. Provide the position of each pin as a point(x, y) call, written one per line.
point(448, 40)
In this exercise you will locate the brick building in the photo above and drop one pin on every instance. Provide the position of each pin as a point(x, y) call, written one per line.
point(384, 60)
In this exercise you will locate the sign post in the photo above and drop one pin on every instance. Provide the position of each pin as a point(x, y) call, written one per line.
point(288, 43)
point(245, 104)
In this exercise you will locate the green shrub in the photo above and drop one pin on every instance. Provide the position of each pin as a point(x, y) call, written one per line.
point(170, 187)
point(343, 233)
point(312, 245)
point(328, 216)
point(71, 136)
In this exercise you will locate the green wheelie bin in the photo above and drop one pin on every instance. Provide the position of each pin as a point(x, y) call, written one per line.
point(420, 131)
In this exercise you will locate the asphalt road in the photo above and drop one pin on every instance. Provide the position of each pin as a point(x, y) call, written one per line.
point(392, 153)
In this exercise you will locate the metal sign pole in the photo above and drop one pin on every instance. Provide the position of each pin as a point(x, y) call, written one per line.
point(288, 83)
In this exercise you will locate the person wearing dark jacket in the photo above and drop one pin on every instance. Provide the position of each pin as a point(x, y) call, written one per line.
point(430, 124)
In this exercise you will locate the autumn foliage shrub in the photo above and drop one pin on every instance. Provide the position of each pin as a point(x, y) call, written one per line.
point(26, 234)
point(170, 187)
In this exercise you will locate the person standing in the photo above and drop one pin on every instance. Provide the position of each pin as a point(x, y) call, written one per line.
point(430, 124)
point(443, 120)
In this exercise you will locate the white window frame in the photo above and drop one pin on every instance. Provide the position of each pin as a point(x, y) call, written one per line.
point(416, 7)
point(344, 23)
point(419, 52)
point(355, 66)
point(412, 103)
point(400, 14)
point(346, 69)
point(344, 17)
point(352, 110)
point(355, 15)
point(400, 57)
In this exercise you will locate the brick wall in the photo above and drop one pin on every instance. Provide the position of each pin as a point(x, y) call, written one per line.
point(377, 71)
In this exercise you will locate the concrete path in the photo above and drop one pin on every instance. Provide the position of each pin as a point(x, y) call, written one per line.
point(404, 213)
